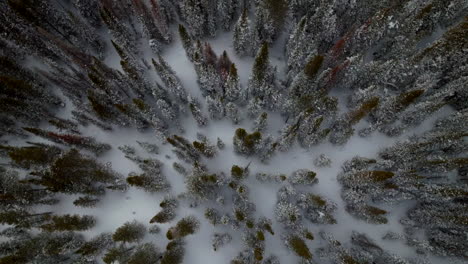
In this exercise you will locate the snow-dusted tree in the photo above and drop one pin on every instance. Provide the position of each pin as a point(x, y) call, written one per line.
point(73, 172)
point(226, 13)
point(68, 223)
point(303, 176)
point(96, 245)
point(263, 87)
point(186, 226)
point(187, 42)
point(245, 143)
point(194, 15)
point(260, 123)
point(342, 128)
point(232, 85)
point(232, 112)
point(219, 240)
point(242, 35)
point(129, 232)
point(202, 185)
point(168, 205)
point(170, 79)
point(47, 247)
point(197, 113)
point(152, 179)
point(288, 214)
point(215, 107)
point(269, 20)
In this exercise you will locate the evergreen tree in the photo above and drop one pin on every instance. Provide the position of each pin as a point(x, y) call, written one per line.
point(226, 13)
point(129, 232)
point(170, 79)
point(75, 173)
point(186, 226)
point(69, 223)
point(233, 88)
point(242, 35)
point(269, 20)
point(193, 13)
point(151, 180)
point(263, 87)
point(187, 42)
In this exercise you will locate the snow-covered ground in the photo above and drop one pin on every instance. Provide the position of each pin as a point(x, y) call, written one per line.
point(119, 207)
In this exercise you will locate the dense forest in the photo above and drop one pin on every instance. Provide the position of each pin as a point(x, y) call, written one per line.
point(233, 131)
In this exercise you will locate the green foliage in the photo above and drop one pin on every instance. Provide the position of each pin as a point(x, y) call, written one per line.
point(237, 172)
point(114, 255)
point(261, 63)
point(124, 108)
point(164, 216)
point(17, 88)
point(347, 259)
point(34, 155)
point(299, 247)
point(186, 226)
point(98, 81)
point(308, 235)
point(22, 218)
point(140, 104)
point(251, 139)
point(100, 109)
point(317, 200)
point(144, 254)
point(407, 98)
point(129, 232)
point(375, 176)
point(69, 223)
point(212, 215)
point(233, 71)
point(258, 253)
point(313, 66)
point(363, 110)
point(269, 229)
point(239, 215)
point(86, 201)
point(453, 39)
point(184, 36)
point(174, 253)
point(73, 173)
point(260, 235)
point(138, 180)
point(377, 213)
point(89, 248)
point(278, 10)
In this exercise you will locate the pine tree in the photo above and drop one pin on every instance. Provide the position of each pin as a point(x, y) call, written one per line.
point(187, 42)
point(170, 79)
point(194, 15)
point(144, 253)
point(233, 88)
point(96, 245)
point(226, 13)
point(186, 226)
point(263, 87)
point(69, 223)
point(269, 20)
point(242, 35)
point(75, 173)
point(151, 180)
point(129, 232)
